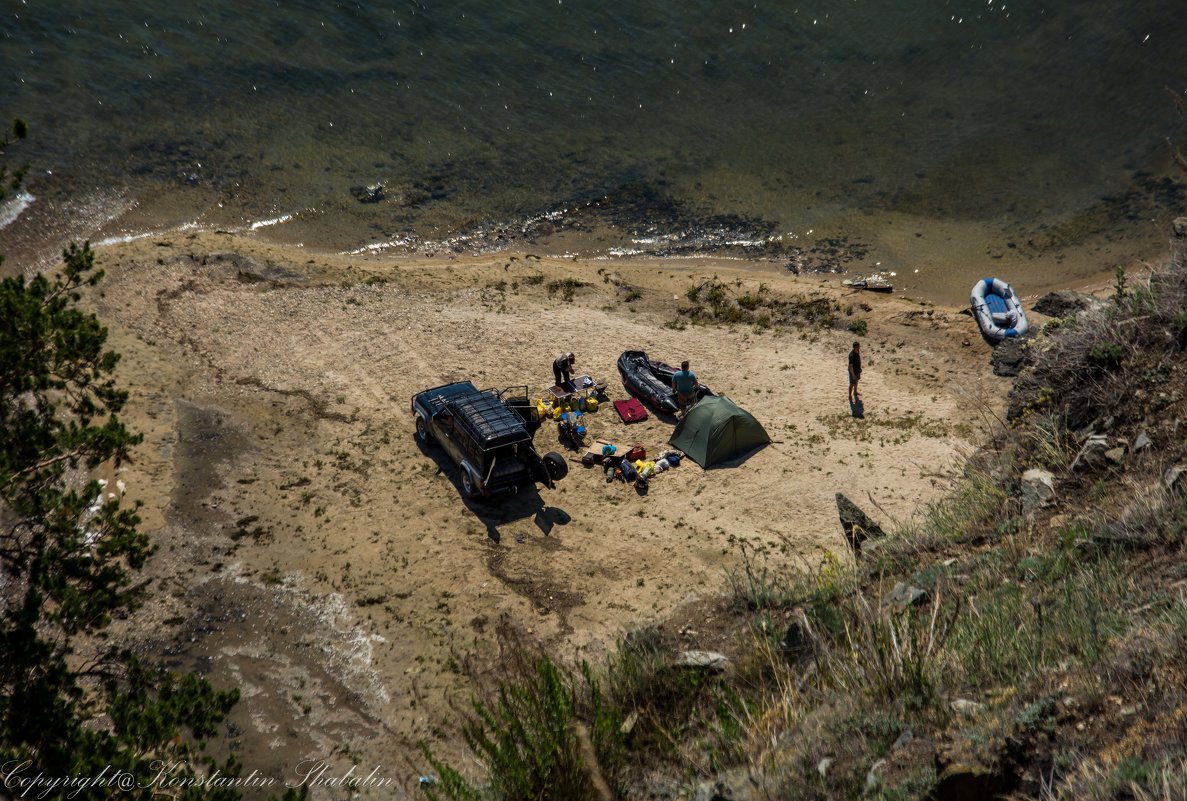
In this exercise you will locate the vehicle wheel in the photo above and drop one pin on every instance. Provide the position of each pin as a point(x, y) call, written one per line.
point(558, 468)
point(422, 431)
point(469, 485)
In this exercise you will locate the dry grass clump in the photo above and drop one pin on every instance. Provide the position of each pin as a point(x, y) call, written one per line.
point(1098, 363)
point(713, 302)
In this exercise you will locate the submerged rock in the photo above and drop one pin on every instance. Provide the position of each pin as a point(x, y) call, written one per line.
point(368, 194)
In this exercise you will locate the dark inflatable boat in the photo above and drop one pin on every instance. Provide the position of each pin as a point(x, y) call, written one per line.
point(650, 381)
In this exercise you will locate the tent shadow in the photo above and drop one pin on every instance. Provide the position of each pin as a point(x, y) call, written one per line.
point(737, 461)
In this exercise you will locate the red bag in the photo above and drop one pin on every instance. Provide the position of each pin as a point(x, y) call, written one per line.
point(636, 453)
point(630, 410)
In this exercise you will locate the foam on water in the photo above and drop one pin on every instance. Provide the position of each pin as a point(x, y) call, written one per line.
point(12, 207)
point(255, 226)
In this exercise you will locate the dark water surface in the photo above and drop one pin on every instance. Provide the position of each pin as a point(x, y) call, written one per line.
point(953, 138)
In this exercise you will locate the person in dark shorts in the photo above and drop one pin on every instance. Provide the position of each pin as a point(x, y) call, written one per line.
point(562, 368)
point(685, 385)
point(854, 372)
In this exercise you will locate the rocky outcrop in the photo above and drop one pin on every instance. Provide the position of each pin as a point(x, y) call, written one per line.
point(1010, 357)
point(857, 526)
point(1065, 302)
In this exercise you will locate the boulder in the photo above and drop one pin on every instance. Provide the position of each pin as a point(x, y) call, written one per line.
point(1092, 454)
point(1009, 357)
point(903, 596)
point(707, 660)
point(1140, 442)
point(872, 780)
point(1038, 489)
point(1116, 455)
point(965, 707)
point(1065, 302)
point(1173, 479)
point(857, 526)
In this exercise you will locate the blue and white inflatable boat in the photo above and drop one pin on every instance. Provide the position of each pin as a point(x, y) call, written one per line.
point(997, 310)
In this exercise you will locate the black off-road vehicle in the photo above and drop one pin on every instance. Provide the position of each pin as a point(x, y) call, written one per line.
point(489, 434)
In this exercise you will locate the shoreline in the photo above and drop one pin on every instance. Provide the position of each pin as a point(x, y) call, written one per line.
point(931, 260)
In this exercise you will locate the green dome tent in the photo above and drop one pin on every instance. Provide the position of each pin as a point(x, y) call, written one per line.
point(716, 430)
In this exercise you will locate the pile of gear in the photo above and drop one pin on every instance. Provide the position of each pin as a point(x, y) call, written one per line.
point(568, 414)
point(633, 466)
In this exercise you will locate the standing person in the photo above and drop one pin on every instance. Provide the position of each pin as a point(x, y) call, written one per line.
point(562, 368)
point(685, 385)
point(854, 373)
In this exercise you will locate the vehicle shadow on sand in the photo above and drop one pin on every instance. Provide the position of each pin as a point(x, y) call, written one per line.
point(503, 509)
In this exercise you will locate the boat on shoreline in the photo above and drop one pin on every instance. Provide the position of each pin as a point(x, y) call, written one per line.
point(651, 381)
point(868, 285)
point(998, 311)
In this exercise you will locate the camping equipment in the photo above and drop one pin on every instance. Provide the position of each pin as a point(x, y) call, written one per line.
point(635, 454)
point(717, 430)
point(630, 410)
point(570, 429)
point(599, 452)
point(580, 387)
point(997, 310)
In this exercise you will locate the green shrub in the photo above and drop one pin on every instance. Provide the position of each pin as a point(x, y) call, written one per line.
point(1105, 355)
point(529, 737)
point(566, 287)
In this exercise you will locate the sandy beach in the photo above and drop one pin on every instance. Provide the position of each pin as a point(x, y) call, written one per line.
point(313, 555)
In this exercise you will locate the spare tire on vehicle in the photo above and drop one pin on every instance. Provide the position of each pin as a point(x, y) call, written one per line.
point(556, 465)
